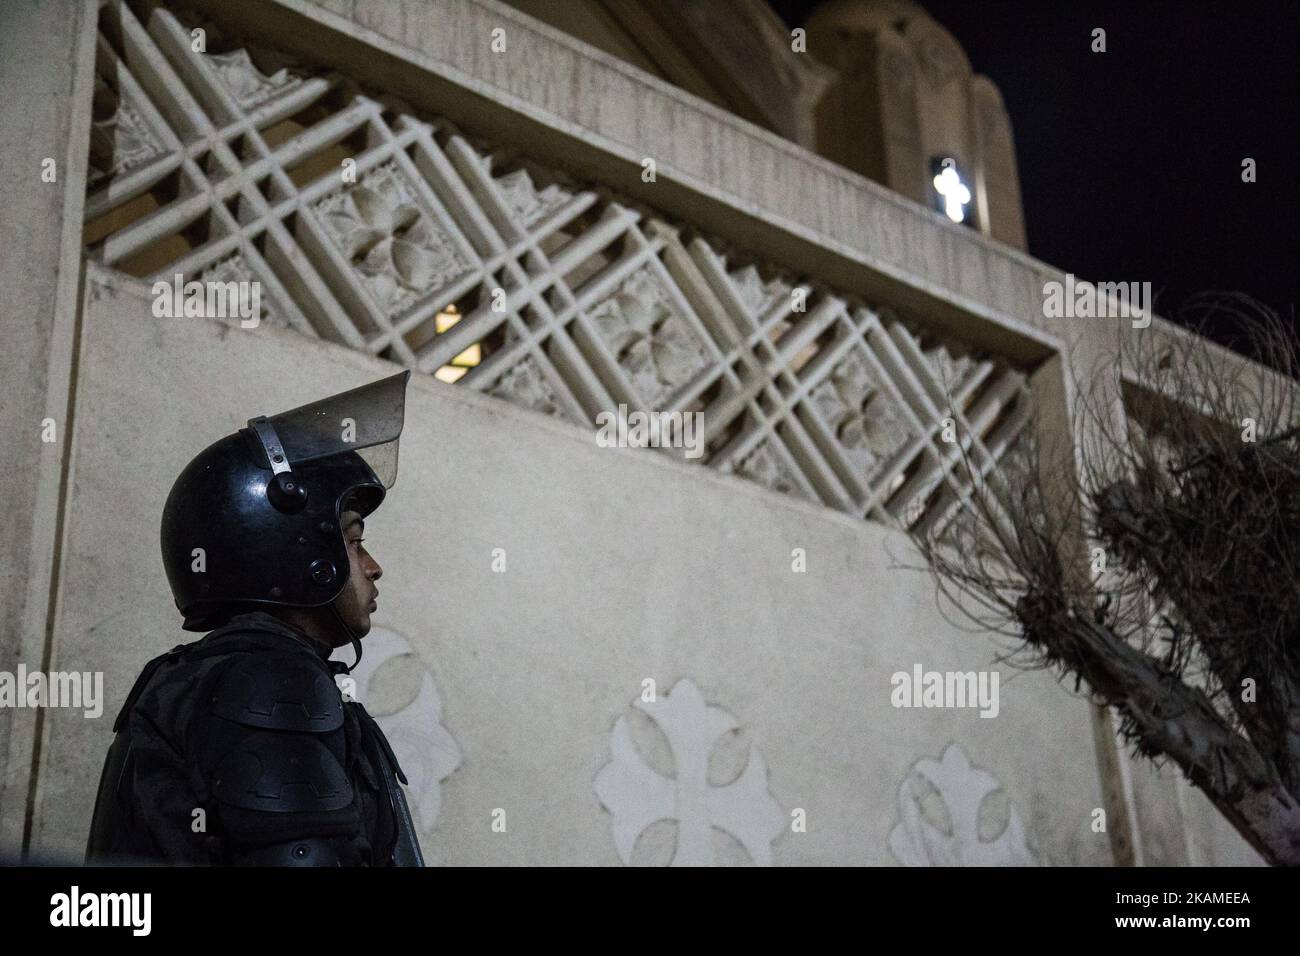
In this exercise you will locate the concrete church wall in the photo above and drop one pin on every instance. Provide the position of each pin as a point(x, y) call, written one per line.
point(620, 566)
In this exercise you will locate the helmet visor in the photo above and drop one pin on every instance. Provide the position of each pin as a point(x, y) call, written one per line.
point(367, 420)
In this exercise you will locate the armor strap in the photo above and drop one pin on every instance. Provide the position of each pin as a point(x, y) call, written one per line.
point(407, 851)
point(406, 844)
point(117, 765)
point(337, 666)
point(271, 446)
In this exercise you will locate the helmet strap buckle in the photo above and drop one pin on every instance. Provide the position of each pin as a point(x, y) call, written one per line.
point(285, 493)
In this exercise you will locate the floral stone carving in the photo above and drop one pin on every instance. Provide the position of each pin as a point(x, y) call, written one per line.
point(395, 249)
point(424, 747)
point(863, 418)
point(954, 791)
point(525, 384)
point(764, 466)
point(636, 795)
point(247, 84)
point(651, 342)
point(528, 204)
point(120, 139)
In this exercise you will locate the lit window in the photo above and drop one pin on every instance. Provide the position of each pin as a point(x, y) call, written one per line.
point(463, 362)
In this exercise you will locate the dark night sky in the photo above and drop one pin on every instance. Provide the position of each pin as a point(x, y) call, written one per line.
point(1130, 161)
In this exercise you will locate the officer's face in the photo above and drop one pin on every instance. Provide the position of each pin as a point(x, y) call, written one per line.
point(358, 599)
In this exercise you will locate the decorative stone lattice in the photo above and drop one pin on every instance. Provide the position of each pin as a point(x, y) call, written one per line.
point(524, 384)
point(233, 269)
point(231, 163)
point(945, 819)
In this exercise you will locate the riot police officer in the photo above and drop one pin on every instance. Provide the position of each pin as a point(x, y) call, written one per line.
point(239, 748)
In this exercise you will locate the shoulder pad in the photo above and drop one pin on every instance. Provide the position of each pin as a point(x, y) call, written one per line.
point(278, 691)
point(282, 773)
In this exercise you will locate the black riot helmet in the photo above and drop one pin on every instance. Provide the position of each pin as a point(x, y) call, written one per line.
point(254, 518)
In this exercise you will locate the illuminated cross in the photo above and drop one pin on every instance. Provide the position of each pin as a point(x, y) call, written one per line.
point(954, 192)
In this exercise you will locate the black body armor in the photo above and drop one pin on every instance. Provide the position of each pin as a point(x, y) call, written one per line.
point(239, 749)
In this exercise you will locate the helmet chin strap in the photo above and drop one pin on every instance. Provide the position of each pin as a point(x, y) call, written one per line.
point(356, 641)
